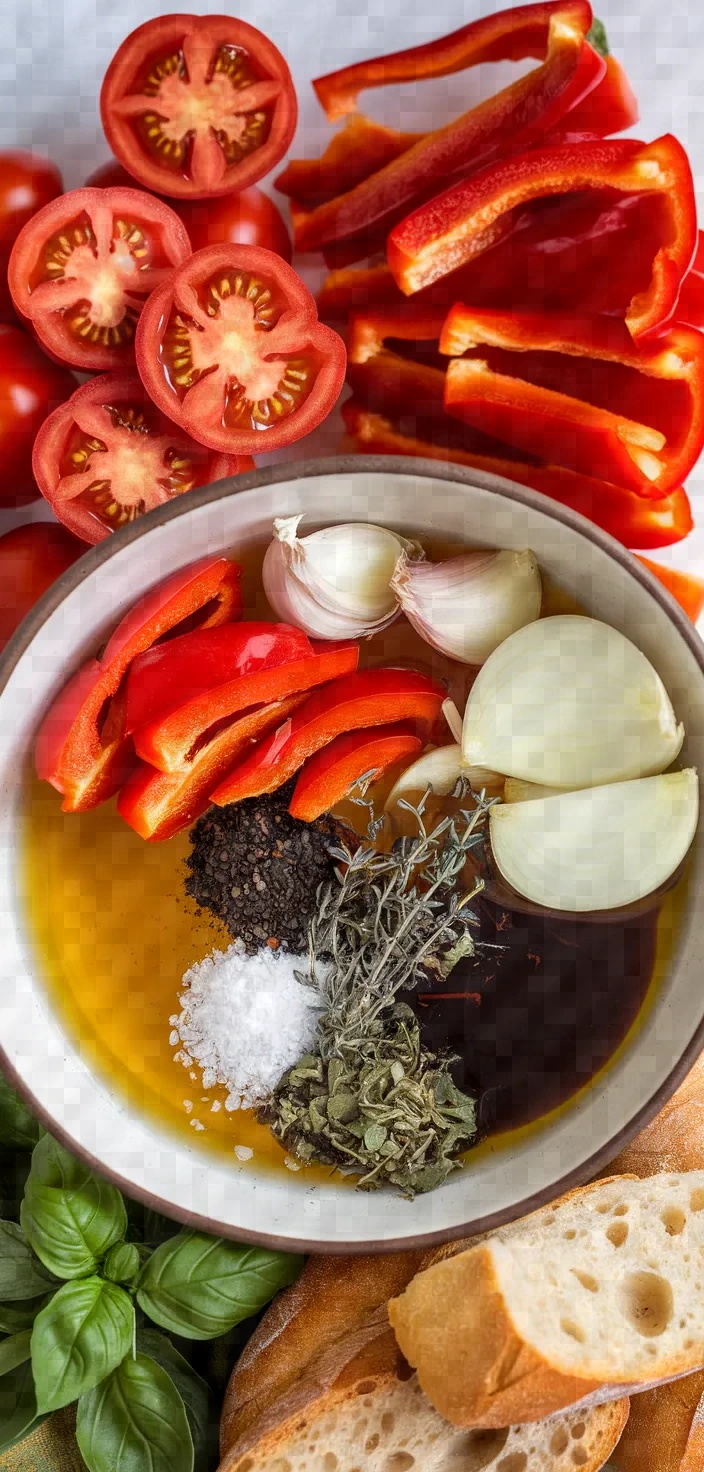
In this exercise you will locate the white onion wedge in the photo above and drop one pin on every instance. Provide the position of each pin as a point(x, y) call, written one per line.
point(599, 848)
point(570, 702)
point(439, 769)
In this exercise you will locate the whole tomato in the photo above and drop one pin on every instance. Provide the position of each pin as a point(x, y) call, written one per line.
point(247, 218)
point(27, 182)
point(31, 558)
point(31, 387)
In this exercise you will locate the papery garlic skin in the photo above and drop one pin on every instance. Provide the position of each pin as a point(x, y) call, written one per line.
point(570, 702)
point(600, 848)
point(439, 769)
point(335, 583)
point(467, 606)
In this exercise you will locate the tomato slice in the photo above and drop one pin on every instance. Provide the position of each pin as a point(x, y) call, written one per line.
point(82, 268)
point(107, 456)
point(230, 347)
point(198, 105)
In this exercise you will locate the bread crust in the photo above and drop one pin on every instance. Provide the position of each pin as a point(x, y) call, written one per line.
point(674, 1140)
point(665, 1432)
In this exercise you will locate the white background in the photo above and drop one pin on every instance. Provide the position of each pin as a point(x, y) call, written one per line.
point(55, 52)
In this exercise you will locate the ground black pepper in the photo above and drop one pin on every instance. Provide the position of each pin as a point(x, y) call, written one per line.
point(258, 869)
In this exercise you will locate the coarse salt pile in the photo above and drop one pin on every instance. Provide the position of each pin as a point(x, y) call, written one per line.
point(245, 1020)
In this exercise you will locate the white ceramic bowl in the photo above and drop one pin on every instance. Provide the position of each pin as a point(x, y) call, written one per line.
point(84, 1111)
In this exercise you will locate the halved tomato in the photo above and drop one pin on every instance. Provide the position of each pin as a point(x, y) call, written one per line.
point(198, 105)
point(230, 347)
point(108, 456)
point(82, 268)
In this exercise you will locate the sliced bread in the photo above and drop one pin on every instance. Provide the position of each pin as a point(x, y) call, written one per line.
point(665, 1432)
point(674, 1140)
point(361, 1410)
point(599, 1294)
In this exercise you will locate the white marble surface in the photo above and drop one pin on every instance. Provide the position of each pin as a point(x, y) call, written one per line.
point(55, 52)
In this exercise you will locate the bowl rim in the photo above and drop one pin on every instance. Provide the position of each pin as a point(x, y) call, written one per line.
point(338, 465)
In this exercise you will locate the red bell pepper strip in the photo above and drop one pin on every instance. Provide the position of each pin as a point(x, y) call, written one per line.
point(166, 676)
point(358, 150)
point(631, 519)
point(518, 116)
point(462, 223)
point(510, 35)
point(82, 747)
point(684, 587)
point(578, 392)
point(168, 743)
point(367, 698)
point(609, 108)
point(159, 804)
point(330, 774)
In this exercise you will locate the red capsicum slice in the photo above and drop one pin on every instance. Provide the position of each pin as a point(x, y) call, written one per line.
point(518, 116)
point(464, 221)
point(509, 35)
point(631, 519)
point(358, 150)
point(82, 747)
point(231, 349)
point(609, 108)
point(686, 589)
point(168, 743)
point(168, 675)
point(367, 698)
point(578, 392)
point(159, 804)
point(330, 774)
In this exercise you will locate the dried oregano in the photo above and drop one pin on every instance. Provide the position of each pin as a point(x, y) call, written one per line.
point(373, 1100)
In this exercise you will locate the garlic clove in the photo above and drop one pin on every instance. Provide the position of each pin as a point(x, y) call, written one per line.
point(438, 769)
point(467, 606)
point(516, 790)
point(334, 583)
point(569, 702)
point(600, 848)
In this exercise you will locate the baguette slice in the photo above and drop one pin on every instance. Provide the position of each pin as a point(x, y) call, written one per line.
point(599, 1294)
point(667, 1430)
point(674, 1140)
point(361, 1408)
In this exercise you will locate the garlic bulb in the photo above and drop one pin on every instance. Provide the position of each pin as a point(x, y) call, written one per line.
point(439, 769)
point(599, 848)
point(467, 606)
point(569, 702)
point(334, 584)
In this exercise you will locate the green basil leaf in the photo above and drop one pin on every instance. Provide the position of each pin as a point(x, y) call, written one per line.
point(21, 1273)
point(135, 1421)
point(70, 1216)
point(200, 1406)
point(17, 1316)
point(14, 1351)
point(18, 1406)
point(77, 1340)
point(18, 1127)
point(202, 1286)
point(122, 1263)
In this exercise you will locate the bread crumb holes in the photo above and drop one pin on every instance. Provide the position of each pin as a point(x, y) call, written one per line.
point(696, 1200)
point(330, 1462)
point(578, 1430)
point(586, 1280)
point(646, 1301)
point(575, 1331)
point(579, 1456)
point(674, 1220)
point(559, 1441)
point(514, 1462)
point(569, 1236)
point(617, 1233)
point(372, 1443)
point(388, 1421)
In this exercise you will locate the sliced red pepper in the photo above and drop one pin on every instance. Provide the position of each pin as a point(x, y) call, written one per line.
point(463, 222)
point(167, 675)
point(509, 35)
point(82, 747)
point(609, 108)
point(688, 590)
point(330, 774)
point(158, 805)
point(358, 150)
point(631, 519)
point(578, 392)
point(518, 116)
point(367, 698)
point(168, 743)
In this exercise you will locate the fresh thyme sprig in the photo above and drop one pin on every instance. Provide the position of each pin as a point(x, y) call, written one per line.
point(373, 1099)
